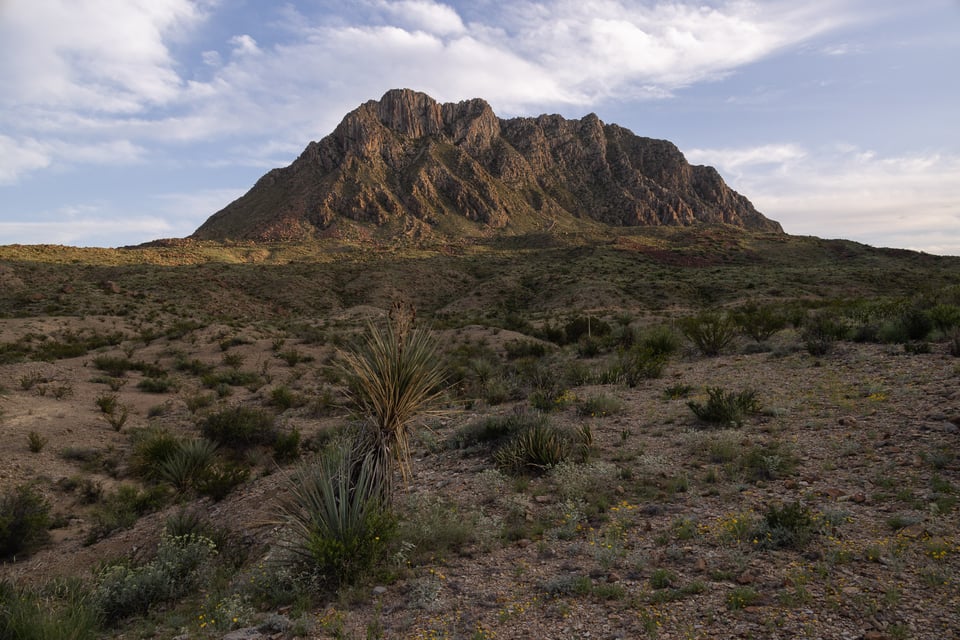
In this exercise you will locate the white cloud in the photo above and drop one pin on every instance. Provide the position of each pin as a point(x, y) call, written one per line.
point(96, 55)
point(19, 157)
point(88, 231)
point(425, 15)
point(910, 201)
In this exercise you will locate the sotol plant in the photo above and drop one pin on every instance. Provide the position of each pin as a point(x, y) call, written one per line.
point(394, 376)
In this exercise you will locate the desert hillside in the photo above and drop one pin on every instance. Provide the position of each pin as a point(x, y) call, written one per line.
point(697, 432)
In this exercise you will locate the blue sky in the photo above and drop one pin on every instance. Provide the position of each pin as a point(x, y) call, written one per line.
point(123, 121)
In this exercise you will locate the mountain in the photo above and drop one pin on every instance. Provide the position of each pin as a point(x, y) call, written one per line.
point(408, 164)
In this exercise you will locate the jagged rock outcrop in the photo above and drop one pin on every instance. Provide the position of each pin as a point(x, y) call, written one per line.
point(413, 164)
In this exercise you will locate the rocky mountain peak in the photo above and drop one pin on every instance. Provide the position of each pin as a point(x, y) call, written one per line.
point(412, 164)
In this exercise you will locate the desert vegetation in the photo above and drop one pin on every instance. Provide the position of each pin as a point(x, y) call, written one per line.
point(657, 434)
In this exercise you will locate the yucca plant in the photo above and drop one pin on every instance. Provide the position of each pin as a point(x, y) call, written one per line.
point(336, 515)
point(188, 464)
point(394, 375)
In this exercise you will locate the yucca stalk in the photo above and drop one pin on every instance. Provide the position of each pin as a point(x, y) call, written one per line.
point(395, 376)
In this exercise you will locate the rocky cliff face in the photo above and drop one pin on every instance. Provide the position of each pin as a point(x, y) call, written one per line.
point(413, 164)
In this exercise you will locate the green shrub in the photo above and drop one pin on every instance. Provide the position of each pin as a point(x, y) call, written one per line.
point(766, 461)
point(152, 448)
point(239, 427)
point(760, 322)
point(725, 408)
point(283, 398)
point(945, 317)
point(640, 362)
point(789, 526)
point(710, 331)
point(36, 442)
point(28, 615)
point(599, 406)
point(122, 508)
point(537, 449)
point(221, 478)
point(286, 447)
point(188, 464)
point(24, 521)
point(232, 378)
point(493, 429)
point(525, 349)
point(182, 565)
point(115, 366)
point(107, 402)
point(337, 520)
point(742, 597)
point(585, 326)
point(822, 331)
point(156, 385)
point(435, 526)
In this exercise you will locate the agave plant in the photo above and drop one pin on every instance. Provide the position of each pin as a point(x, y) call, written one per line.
point(395, 375)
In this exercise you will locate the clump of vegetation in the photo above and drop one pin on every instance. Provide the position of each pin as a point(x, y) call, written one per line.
point(122, 508)
point(821, 332)
point(494, 429)
point(789, 526)
point(337, 519)
point(760, 322)
point(24, 521)
point(239, 427)
point(36, 442)
point(540, 447)
point(710, 332)
point(727, 408)
point(181, 565)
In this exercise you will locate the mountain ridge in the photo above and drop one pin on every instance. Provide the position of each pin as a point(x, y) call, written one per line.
point(407, 164)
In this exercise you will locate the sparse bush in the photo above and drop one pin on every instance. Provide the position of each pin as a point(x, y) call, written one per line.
point(525, 349)
point(767, 461)
point(115, 366)
point(677, 391)
point(221, 478)
point(182, 564)
point(107, 402)
point(283, 398)
point(945, 317)
point(156, 385)
point(821, 332)
point(599, 406)
point(710, 331)
point(435, 526)
point(789, 526)
point(640, 362)
point(493, 429)
point(239, 427)
point(24, 521)
point(36, 442)
point(286, 446)
point(725, 408)
point(122, 508)
point(760, 322)
point(585, 326)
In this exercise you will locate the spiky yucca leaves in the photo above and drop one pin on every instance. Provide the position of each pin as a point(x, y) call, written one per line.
point(336, 514)
point(395, 375)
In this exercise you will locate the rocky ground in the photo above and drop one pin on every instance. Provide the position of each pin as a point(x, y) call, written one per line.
point(654, 536)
